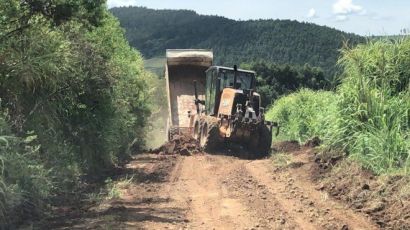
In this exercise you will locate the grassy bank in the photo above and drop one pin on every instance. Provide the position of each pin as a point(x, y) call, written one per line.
point(304, 115)
point(368, 115)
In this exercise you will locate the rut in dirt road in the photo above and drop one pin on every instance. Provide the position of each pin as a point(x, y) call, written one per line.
point(218, 192)
point(228, 193)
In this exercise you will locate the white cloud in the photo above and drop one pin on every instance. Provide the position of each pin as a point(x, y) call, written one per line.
point(343, 8)
point(312, 13)
point(117, 3)
point(347, 7)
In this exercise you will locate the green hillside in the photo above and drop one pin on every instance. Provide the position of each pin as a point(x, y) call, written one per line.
point(233, 42)
point(155, 65)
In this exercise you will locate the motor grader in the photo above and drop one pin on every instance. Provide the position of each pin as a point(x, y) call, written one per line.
point(215, 104)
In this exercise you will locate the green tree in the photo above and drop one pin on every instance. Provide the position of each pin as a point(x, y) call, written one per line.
point(73, 100)
point(274, 80)
point(234, 42)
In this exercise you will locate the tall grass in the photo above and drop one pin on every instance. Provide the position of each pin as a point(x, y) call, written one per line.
point(374, 105)
point(368, 116)
point(305, 114)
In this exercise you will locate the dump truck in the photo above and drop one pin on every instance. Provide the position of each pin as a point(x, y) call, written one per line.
point(215, 104)
point(182, 68)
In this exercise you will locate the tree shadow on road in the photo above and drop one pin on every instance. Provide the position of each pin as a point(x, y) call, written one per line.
point(119, 216)
point(121, 212)
point(238, 151)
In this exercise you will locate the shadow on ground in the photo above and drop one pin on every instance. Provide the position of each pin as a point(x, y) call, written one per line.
point(119, 216)
point(238, 151)
point(130, 212)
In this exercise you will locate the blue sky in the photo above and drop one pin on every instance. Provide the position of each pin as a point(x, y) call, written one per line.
point(365, 17)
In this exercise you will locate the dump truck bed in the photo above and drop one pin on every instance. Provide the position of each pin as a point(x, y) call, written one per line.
point(183, 67)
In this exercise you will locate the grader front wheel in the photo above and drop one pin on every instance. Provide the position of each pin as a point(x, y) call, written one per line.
point(260, 144)
point(209, 137)
point(197, 131)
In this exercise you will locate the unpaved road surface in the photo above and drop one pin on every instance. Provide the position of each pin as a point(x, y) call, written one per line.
point(220, 192)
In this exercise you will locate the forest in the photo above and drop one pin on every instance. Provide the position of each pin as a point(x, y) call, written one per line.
point(234, 42)
point(275, 81)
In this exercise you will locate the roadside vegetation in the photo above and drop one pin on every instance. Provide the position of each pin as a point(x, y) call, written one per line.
point(304, 115)
point(73, 100)
point(274, 80)
point(368, 116)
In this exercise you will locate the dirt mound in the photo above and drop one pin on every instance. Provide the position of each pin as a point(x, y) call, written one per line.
point(324, 162)
point(180, 144)
point(314, 142)
point(286, 146)
point(384, 199)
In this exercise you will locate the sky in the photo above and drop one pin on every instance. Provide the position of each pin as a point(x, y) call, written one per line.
point(364, 17)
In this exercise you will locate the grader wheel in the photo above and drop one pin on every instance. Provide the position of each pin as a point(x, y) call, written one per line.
point(209, 136)
point(197, 130)
point(261, 142)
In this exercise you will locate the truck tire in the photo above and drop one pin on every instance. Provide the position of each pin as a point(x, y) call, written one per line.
point(209, 137)
point(172, 132)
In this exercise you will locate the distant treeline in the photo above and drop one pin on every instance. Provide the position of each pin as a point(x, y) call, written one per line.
point(234, 42)
point(274, 81)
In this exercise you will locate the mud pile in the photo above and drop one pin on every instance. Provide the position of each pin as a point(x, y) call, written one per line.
point(286, 146)
point(314, 142)
point(385, 199)
point(180, 144)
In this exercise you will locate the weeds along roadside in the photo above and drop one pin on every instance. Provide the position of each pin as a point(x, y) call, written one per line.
point(367, 116)
point(70, 104)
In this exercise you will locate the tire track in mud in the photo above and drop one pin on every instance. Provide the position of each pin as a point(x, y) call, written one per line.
point(211, 204)
point(269, 213)
point(219, 192)
point(300, 198)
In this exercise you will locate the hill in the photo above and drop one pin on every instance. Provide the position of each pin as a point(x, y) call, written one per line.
point(155, 65)
point(279, 41)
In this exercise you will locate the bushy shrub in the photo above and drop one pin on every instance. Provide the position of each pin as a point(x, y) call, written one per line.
point(305, 114)
point(24, 181)
point(74, 98)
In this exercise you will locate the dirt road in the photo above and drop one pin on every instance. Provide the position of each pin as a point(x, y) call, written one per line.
point(220, 192)
point(228, 193)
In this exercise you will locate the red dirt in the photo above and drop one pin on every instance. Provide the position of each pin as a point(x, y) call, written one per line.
point(180, 144)
point(384, 199)
point(286, 146)
point(314, 142)
point(222, 192)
